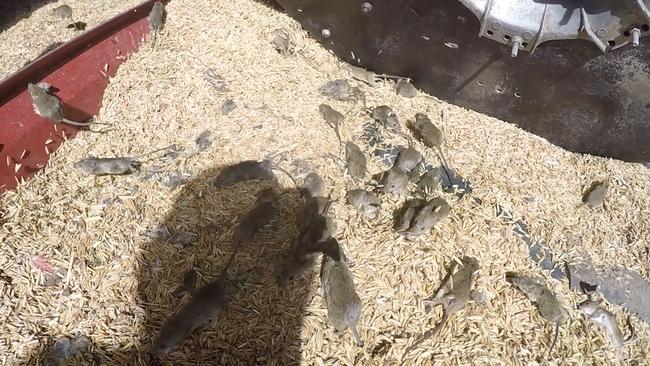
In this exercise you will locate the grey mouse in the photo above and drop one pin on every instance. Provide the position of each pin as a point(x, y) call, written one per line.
point(48, 106)
point(108, 166)
point(114, 166)
point(425, 131)
point(343, 303)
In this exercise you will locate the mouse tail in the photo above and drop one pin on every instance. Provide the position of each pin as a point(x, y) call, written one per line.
point(357, 338)
point(557, 333)
point(295, 183)
point(445, 165)
point(428, 334)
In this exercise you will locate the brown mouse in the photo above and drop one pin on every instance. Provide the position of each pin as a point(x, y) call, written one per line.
point(332, 117)
point(264, 213)
point(547, 303)
point(355, 160)
point(243, 171)
point(405, 88)
point(365, 202)
point(422, 220)
point(313, 185)
point(394, 181)
point(385, 115)
point(453, 296)
point(408, 159)
point(300, 257)
point(343, 303)
point(424, 130)
point(605, 319)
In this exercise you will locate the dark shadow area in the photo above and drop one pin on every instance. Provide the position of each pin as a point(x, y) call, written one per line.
point(261, 322)
point(13, 11)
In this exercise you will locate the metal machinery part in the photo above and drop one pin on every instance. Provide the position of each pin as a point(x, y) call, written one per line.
point(586, 98)
point(524, 25)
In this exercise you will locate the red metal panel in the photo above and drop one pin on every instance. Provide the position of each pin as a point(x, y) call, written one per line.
point(80, 71)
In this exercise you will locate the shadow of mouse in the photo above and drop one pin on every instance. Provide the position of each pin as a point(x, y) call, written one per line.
point(260, 323)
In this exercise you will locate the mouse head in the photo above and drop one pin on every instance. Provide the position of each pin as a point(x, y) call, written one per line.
point(170, 336)
point(293, 267)
point(86, 165)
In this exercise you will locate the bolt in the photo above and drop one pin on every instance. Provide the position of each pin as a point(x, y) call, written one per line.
point(636, 33)
point(366, 7)
point(516, 42)
point(326, 33)
point(601, 32)
point(496, 25)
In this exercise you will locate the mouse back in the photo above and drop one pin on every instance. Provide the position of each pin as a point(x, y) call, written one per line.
point(355, 160)
point(244, 171)
point(44, 104)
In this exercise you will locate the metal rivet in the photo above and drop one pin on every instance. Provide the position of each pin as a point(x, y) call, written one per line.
point(601, 32)
point(516, 42)
point(326, 33)
point(636, 33)
point(527, 36)
point(366, 7)
point(496, 25)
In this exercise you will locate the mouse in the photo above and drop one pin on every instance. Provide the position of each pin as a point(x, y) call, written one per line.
point(313, 185)
point(393, 181)
point(48, 106)
point(595, 195)
point(367, 203)
point(605, 319)
point(385, 115)
point(204, 305)
point(341, 299)
point(405, 88)
point(313, 207)
point(92, 165)
point(408, 159)
point(243, 171)
point(408, 211)
point(341, 90)
point(453, 295)
point(108, 166)
point(430, 135)
point(63, 12)
point(428, 216)
point(333, 118)
point(369, 77)
point(282, 42)
point(547, 303)
point(355, 160)
point(156, 17)
point(264, 213)
point(299, 258)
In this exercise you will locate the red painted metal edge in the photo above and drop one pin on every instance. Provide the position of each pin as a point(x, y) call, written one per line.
point(79, 70)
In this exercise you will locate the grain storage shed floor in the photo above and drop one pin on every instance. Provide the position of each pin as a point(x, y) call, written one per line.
point(118, 247)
